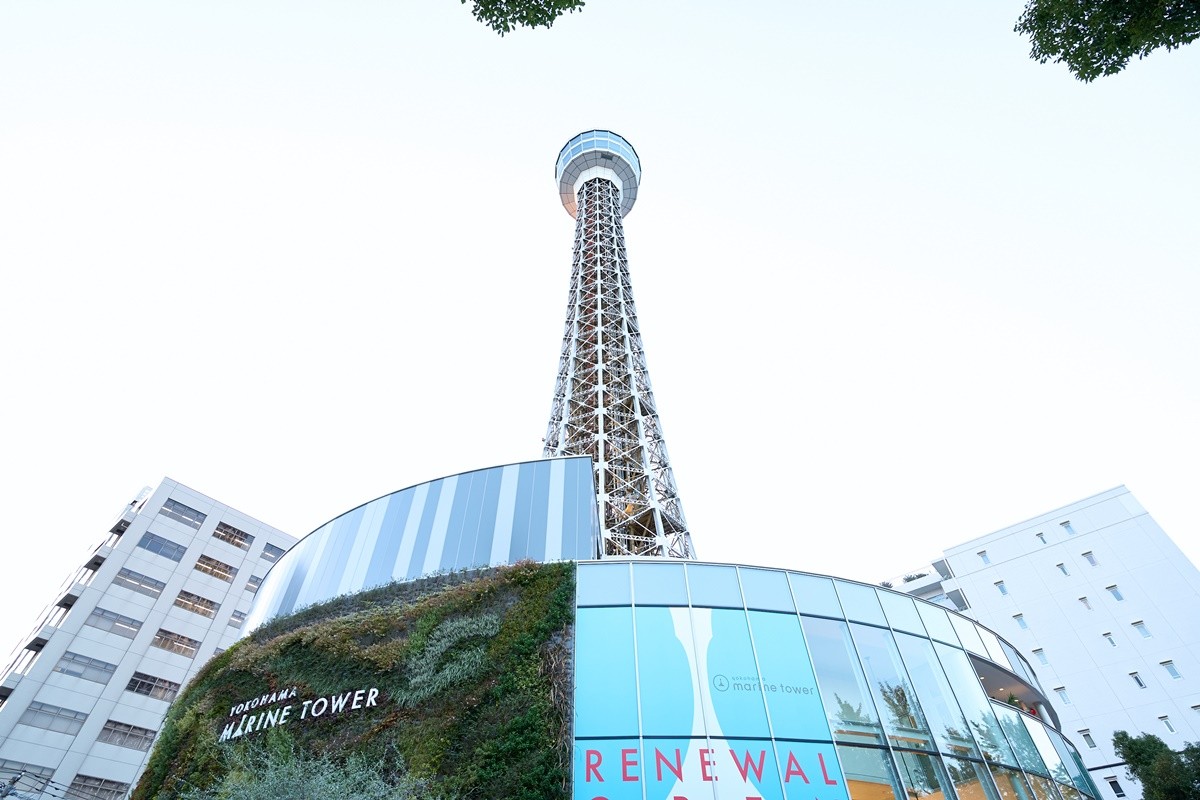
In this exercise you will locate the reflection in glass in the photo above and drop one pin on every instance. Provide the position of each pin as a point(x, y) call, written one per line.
point(1041, 740)
point(922, 775)
point(1074, 762)
point(936, 697)
point(971, 780)
point(848, 704)
point(869, 774)
point(968, 634)
point(894, 696)
point(1027, 753)
point(1011, 783)
point(1043, 788)
point(975, 704)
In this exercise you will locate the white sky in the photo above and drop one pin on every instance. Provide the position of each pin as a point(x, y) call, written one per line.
point(899, 285)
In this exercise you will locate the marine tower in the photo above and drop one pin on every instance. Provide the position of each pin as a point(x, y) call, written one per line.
point(603, 405)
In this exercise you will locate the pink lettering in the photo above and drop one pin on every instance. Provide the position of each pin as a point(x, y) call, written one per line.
point(746, 765)
point(593, 766)
point(705, 763)
point(676, 769)
point(793, 768)
point(626, 763)
point(825, 772)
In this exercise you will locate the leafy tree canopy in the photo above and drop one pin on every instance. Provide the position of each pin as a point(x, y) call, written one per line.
point(1163, 773)
point(1099, 37)
point(503, 16)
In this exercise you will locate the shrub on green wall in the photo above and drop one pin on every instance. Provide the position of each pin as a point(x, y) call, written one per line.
point(473, 679)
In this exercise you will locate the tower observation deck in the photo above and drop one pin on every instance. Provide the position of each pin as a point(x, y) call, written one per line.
point(603, 405)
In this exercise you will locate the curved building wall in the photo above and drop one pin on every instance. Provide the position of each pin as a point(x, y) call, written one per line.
point(541, 510)
point(713, 681)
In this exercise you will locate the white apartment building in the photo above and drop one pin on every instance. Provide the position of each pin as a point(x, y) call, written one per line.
point(87, 689)
point(1104, 606)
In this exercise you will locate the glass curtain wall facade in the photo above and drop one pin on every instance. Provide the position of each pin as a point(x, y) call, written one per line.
point(716, 681)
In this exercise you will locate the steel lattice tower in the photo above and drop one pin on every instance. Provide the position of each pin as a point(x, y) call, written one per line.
point(603, 406)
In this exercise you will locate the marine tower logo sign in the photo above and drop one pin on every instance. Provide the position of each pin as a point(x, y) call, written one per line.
point(247, 718)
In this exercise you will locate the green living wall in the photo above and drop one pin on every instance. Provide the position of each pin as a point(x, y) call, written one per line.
point(459, 682)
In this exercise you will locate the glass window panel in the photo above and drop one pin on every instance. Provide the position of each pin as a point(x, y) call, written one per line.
point(793, 702)
point(937, 622)
point(1012, 659)
point(659, 584)
point(968, 635)
point(848, 704)
point(1026, 751)
point(950, 730)
point(974, 703)
point(869, 773)
point(901, 612)
point(714, 585)
point(991, 643)
point(1037, 732)
point(665, 653)
point(811, 771)
point(604, 673)
point(737, 707)
point(815, 595)
point(1069, 792)
point(1011, 783)
point(971, 780)
point(894, 695)
point(1043, 788)
point(1079, 773)
point(922, 775)
point(860, 602)
point(766, 589)
point(746, 768)
point(602, 584)
point(668, 768)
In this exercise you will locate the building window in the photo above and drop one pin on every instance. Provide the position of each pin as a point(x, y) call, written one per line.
point(1108, 637)
point(1169, 666)
point(161, 546)
point(1116, 787)
point(1166, 721)
point(1041, 656)
point(97, 788)
point(234, 536)
point(1001, 587)
point(197, 604)
point(218, 569)
point(1141, 684)
point(1063, 569)
point(272, 553)
point(1086, 735)
point(176, 643)
point(1090, 557)
point(1141, 628)
point(1115, 592)
point(112, 622)
point(159, 688)
point(123, 735)
point(90, 669)
point(983, 556)
point(1020, 620)
point(1061, 691)
point(237, 618)
point(1041, 537)
point(33, 776)
point(253, 584)
point(53, 718)
point(1066, 526)
point(136, 581)
point(181, 513)
point(1083, 601)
